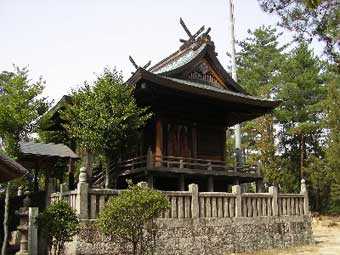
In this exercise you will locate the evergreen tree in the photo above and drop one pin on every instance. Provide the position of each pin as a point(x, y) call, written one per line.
point(332, 124)
point(310, 19)
point(259, 62)
point(300, 113)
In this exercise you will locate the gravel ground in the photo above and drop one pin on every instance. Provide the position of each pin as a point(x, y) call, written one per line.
point(326, 232)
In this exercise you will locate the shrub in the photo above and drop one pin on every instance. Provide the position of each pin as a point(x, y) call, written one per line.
point(60, 223)
point(129, 216)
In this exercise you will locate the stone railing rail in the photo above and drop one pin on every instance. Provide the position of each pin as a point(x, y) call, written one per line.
point(193, 204)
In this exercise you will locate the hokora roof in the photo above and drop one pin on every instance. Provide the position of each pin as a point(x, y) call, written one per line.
point(9, 169)
point(195, 69)
point(46, 150)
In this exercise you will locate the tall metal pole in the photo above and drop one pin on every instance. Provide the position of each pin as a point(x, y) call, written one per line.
point(234, 76)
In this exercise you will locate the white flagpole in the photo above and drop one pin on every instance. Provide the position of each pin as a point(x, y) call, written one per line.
point(234, 76)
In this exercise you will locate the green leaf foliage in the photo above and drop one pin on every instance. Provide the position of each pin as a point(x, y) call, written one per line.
point(59, 223)
point(127, 215)
point(104, 117)
point(21, 106)
point(309, 19)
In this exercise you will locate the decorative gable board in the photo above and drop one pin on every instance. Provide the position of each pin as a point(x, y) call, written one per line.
point(204, 72)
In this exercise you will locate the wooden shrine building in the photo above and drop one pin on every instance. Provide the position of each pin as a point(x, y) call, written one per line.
point(194, 101)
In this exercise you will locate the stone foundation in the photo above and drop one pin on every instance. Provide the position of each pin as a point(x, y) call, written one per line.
point(205, 236)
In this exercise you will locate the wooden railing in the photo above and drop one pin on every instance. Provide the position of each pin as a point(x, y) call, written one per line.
point(193, 204)
point(70, 197)
point(151, 161)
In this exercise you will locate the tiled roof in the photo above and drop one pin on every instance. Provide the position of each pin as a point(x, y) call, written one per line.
point(176, 60)
point(9, 169)
point(47, 149)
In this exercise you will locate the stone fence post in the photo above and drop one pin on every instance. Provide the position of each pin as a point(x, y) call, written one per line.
point(32, 231)
point(195, 213)
point(304, 192)
point(82, 195)
point(273, 192)
point(236, 189)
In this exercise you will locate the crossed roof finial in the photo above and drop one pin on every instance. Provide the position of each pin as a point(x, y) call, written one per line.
point(137, 66)
point(193, 38)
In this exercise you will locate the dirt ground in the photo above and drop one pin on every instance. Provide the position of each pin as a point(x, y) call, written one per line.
point(326, 232)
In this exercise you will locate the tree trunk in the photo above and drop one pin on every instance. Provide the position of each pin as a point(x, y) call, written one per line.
point(302, 154)
point(5, 241)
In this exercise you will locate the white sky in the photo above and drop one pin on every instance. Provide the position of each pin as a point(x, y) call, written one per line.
point(67, 41)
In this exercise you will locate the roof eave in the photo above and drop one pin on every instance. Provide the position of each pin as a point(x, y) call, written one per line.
point(269, 104)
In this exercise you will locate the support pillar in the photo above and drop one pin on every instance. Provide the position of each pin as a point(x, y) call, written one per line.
point(150, 180)
point(194, 142)
point(181, 184)
point(259, 185)
point(210, 184)
point(236, 181)
point(149, 159)
point(159, 141)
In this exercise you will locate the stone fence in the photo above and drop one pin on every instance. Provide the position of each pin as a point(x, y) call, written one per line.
point(194, 204)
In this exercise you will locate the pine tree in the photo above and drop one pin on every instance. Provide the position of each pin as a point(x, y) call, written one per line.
point(259, 63)
point(300, 114)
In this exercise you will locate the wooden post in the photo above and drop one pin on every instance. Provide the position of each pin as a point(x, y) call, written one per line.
point(181, 165)
point(149, 159)
point(71, 168)
point(210, 184)
point(150, 181)
point(181, 182)
point(236, 181)
point(82, 195)
point(63, 188)
point(236, 189)
point(159, 140)
point(195, 212)
point(194, 142)
point(259, 185)
point(209, 166)
point(273, 192)
point(304, 192)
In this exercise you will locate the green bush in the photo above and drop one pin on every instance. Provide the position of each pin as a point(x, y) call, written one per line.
point(129, 217)
point(60, 223)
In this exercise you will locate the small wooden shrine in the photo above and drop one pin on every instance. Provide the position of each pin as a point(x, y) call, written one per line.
point(10, 169)
point(194, 101)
